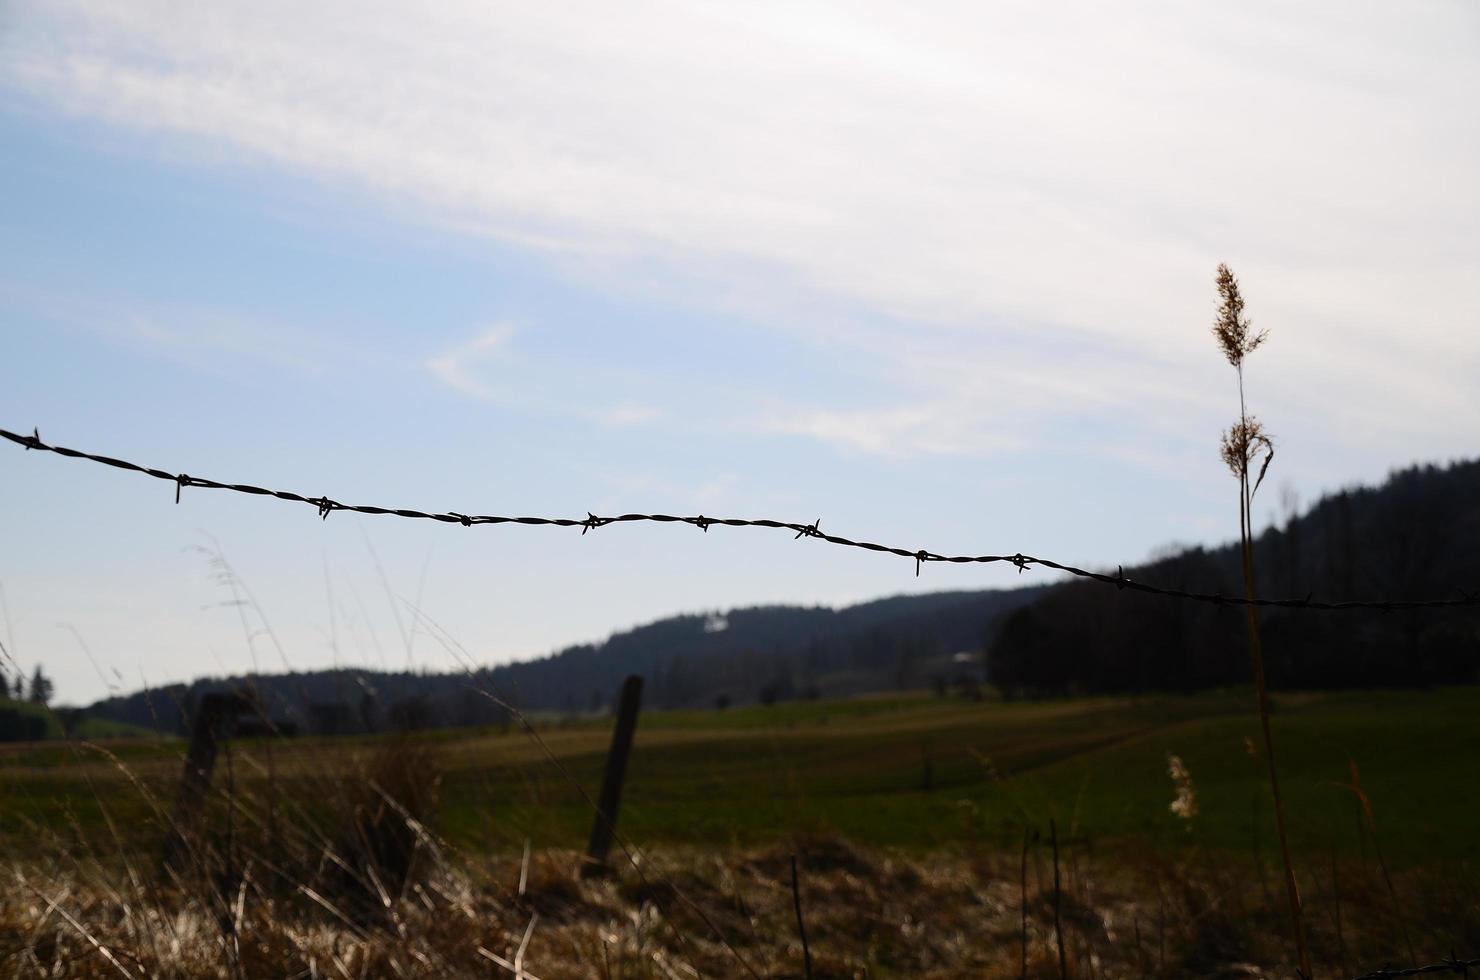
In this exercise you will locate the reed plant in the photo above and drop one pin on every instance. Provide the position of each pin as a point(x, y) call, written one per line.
point(1245, 443)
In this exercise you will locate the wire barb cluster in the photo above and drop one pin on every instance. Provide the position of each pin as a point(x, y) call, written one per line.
point(325, 506)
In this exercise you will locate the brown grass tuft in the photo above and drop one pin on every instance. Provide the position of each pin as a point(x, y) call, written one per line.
point(1142, 913)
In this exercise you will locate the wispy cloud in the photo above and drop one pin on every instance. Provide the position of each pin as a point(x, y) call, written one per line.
point(627, 489)
point(955, 395)
point(933, 428)
point(934, 163)
point(458, 368)
point(488, 369)
point(985, 169)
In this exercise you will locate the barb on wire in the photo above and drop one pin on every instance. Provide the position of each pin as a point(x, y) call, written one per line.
point(1451, 965)
point(326, 506)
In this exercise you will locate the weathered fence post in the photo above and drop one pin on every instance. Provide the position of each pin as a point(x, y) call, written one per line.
point(605, 824)
point(212, 716)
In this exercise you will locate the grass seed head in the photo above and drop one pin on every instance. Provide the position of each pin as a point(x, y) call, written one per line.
point(1232, 329)
point(1244, 442)
point(1184, 802)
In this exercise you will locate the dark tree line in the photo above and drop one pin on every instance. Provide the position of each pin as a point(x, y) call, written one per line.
point(38, 690)
point(19, 724)
point(1415, 537)
point(746, 656)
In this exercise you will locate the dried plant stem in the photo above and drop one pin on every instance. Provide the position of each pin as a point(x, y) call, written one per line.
point(1256, 656)
point(1237, 339)
point(796, 900)
point(1336, 902)
point(1371, 827)
point(1161, 930)
point(524, 869)
point(1023, 904)
point(1058, 925)
point(1254, 841)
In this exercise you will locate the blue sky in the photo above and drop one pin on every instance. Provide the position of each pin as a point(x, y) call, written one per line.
point(942, 278)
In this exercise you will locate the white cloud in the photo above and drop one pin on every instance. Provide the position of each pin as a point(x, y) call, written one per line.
point(963, 395)
point(996, 171)
point(471, 367)
point(932, 428)
point(457, 368)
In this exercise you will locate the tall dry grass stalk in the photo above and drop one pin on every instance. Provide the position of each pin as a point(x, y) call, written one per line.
point(1243, 444)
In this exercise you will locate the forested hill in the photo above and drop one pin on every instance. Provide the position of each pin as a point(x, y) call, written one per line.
point(766, 653)
point(1417, 536)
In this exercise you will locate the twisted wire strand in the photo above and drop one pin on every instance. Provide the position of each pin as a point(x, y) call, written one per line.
point(326, 505)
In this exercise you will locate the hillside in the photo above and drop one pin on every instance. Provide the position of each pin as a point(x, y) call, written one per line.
point(1417, 536)
point(757, 654)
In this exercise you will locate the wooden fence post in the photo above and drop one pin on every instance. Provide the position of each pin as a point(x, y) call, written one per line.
point(605, 824)
point(213, 716)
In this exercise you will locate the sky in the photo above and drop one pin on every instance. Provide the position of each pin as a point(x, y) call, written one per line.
point(938, 274)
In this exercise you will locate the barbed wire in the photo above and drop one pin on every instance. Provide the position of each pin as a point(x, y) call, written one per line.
point(1451, 965)
point(326, 506)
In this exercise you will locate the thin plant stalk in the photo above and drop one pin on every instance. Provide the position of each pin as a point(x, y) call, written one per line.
point(1058, 926)
point(1023, 904)
point(1336, 900)
point(796, 900)
point(1256, 655)
point(1240, 445)
point(1393, 906)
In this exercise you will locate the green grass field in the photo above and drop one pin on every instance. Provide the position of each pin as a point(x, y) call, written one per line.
point(909, 772)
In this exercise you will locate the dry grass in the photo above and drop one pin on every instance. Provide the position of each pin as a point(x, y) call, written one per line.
point(687, 913)
point(348, 878)
point(339, 872)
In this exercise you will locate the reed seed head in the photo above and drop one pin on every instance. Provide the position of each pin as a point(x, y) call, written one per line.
point(1232, 329)
point(1244, 442)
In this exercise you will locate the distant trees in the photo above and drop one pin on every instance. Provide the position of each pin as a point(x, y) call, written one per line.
point(41, 687)
point(1415, 537)
point(20, 722)
point(411, 714)
point(19, 725)
point(779, 686)
point(38, 691)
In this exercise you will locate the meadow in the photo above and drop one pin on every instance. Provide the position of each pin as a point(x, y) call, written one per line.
point(902, 809)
